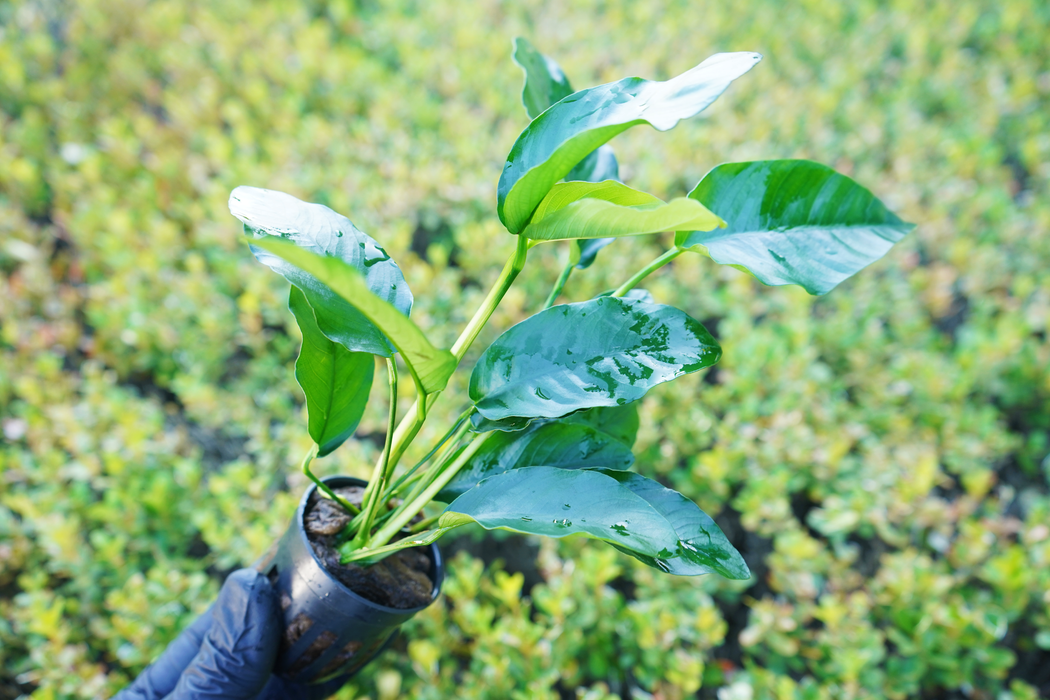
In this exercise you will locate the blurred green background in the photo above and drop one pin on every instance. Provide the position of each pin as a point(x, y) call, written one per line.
point(879, 455)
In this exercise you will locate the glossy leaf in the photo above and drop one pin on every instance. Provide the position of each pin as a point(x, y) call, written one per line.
point(566, 445)
point(602, 352)
point(431, 365)
point(636, 294)
point(336, 381)
point(594, 217)
point(627, 510)
point(318, 229)
point(559, 502)
point(545, 82)
point(481, 424)
point(702, 546)
point(549, 148)
point(565, 193)
point(618, 422)
point(793, 222)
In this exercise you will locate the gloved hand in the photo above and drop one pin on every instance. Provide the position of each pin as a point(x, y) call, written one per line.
point(228, 652)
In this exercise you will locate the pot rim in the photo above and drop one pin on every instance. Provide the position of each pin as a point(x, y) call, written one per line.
point(300, 514)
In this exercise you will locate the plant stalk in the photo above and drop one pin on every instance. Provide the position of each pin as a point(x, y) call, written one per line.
point(399, 438)
point(481, 316)
point(406, 478)
point(393, 526)
point(435, 468)
point(377, 483)
point(559, 285)
point(425, 523)
point(648, 270)
point(350, 508)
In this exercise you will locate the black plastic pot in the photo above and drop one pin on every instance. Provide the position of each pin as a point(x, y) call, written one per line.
point(329, 629)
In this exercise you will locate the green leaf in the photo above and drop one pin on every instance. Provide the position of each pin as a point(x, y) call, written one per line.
point(545, 82)
point(559, 502)
point(432, 366)
point(336, 381)
point(636, 294)
point(320, 230)
point(600, 164)
point(618, 422)
point(702, 546)
point(565, 193)
point(602, 352)
point(611, 209)
point(793, 222)
point(566, 133)
point(549, 444)
point(481, 424)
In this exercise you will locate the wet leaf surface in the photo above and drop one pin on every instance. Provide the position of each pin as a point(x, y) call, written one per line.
point(636, 515)
point(602, 352)
point(702, 546)
point(793, 222)
point(560, 502)
point(319, 230)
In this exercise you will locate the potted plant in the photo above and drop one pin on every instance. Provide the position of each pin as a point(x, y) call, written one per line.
point(543, 445)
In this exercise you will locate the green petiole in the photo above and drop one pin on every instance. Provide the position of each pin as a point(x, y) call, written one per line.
point(323, 486)
point(648, 270)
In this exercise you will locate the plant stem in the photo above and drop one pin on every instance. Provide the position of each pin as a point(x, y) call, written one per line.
point(435, 468)
point(379, 475)
point(370, 556)
point(647, 270)
point(407, 476)
point(322, 485)
point(559, 285)
point(425, 523)
point(481, 316)
point(394, 526)
point(412, 422)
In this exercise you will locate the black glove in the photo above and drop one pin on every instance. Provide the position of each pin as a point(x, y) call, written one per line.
point(228, 652)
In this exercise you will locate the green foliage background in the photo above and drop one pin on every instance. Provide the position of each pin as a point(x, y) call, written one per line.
point(878, 455)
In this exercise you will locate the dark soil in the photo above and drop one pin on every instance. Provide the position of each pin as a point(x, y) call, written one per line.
point(402, 580)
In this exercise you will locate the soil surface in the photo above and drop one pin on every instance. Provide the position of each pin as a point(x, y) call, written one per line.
point(401, 580)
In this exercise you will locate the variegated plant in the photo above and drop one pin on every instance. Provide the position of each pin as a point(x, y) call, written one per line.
point(544, 446)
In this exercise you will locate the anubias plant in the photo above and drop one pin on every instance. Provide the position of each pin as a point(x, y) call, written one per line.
point(545, 443)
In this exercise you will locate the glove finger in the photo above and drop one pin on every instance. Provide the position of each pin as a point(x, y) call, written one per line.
point(160, 677)
point(236, 657)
